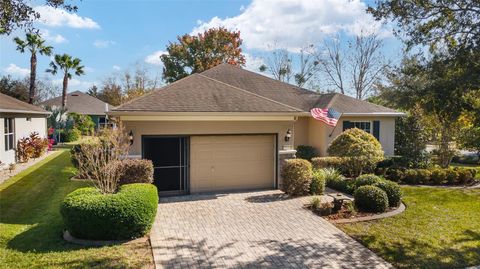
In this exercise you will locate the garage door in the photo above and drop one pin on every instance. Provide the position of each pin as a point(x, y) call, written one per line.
point(232, 162)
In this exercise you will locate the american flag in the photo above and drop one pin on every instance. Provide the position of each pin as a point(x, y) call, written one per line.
point(327, 115)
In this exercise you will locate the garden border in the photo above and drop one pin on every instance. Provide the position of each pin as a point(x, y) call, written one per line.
point(100, 243)
point(392, 213)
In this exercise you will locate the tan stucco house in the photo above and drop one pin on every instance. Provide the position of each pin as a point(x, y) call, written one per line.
point(19, 119)
point(228, 128)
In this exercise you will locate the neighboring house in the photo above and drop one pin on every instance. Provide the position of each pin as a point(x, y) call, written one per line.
point(19, 120)
point(227, 128)
point(84, 104)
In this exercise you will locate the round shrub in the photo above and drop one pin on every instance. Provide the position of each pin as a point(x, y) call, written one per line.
point(371, 199)
point(318, 182)
point(439, 176)
point(423, 176)
point(296, 177)
point(392, 190)
point(365, 180)
point(127, 214)
point(306, 152)
point(410, 176)
point(451, 176)
point(394, 174)
point(464, 176)
point(363, 150)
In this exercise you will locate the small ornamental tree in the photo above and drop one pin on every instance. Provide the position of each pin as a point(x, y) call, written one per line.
point(470, 140)
point(361, 148)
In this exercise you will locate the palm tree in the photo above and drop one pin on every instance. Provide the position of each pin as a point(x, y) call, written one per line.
point(69, 66)
point(35, 44)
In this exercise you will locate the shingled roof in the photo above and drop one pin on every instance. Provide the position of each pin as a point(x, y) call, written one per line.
point(81, 103)
point(228, 88)
point(9, 104)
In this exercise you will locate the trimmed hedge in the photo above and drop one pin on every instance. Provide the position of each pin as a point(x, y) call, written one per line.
point(306, 152)
point(364, 180)
point(135, 171)
point(297, 177)
point(371, 199)
point(435, 176)
point(317, 186)
point(127, 214)
point(392, 190)
point(339, 163)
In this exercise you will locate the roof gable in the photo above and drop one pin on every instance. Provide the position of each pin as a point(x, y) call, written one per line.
point(13, 105)
point(81, 103)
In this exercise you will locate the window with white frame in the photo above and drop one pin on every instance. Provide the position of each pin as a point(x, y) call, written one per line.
point(363, 125)
point(102, 122)
point(9, 131)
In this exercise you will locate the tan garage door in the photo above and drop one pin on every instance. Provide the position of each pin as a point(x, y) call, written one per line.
point(231, 162)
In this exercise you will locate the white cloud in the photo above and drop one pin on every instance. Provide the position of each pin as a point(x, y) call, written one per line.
point(58, 17)
point(116, 67)
point(13, 69)
point(253, 63)
point(294, 24)
point(103, 43)
point(154, 58)
point(56, 38)
point(74, 84)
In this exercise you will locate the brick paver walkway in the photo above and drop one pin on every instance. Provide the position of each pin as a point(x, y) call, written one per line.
point(251, 230)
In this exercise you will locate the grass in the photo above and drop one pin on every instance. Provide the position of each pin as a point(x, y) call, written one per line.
point(31, 224)
point(439, 229)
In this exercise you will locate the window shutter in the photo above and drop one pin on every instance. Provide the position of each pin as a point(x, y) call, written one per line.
point(376, 129)
point(346, 125)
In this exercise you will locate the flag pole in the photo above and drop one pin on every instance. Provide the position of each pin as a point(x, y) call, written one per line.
point(330, 135)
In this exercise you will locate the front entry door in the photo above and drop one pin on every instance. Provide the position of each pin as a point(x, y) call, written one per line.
point(170, 161)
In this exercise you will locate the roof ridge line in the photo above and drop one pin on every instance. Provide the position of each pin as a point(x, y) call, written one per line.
point(154, 91)
point(251, 93)
point(331, 100)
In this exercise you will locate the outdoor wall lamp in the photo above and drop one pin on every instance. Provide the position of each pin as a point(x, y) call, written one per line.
point(130, 137)
point(288, 135)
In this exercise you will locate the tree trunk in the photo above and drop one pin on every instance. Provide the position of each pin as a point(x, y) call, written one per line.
point(33, 74)
point(64, 90)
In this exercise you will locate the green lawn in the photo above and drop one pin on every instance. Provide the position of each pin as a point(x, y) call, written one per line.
point(31, 225)
point(439, 229)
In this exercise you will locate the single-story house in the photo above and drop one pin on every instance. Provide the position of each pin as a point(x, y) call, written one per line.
point(84, 104)
point(19, 119)
point(228, 128)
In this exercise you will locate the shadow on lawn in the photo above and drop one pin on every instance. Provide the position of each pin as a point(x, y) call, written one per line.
point(291, 253)
point(414, 253)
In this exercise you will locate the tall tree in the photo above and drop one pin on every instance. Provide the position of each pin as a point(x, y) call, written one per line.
point(197, 53)
point(69, 66)
point(93, 91)
point(285, 66)
point(35, 44)
point(356, 69)
point(454, 23)
point(21, 14)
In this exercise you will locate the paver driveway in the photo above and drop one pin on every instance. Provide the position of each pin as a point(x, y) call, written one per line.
point(251, 230)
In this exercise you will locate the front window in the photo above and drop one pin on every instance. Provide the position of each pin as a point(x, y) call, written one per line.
point(102, 122)
point(363, 125)
point(9, 132)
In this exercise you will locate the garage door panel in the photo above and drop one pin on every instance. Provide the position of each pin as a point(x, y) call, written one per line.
point(231, 162)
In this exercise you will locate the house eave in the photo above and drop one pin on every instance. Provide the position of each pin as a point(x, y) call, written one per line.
point(203, 116)
point(18, 111)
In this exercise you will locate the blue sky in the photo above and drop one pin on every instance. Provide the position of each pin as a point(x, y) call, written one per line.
point(113, 36)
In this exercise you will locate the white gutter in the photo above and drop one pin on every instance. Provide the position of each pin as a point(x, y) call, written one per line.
point(376, 114)
point(24, 111)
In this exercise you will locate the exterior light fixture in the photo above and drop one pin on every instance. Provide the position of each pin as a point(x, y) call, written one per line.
point(288, 135)
point(130, 137)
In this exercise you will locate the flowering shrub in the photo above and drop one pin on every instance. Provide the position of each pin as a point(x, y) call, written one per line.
point(32, 146)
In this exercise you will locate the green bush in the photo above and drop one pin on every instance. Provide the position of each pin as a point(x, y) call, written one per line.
point(371, 199)
point(306, 152)
point(318, 182)
point(439, 176)
point(363, 150)
point(392, 190)
point(72, 135)
point(464, 176)
point(127, 214)
point(424, 176)
point(331, 162)
point(452, 176)
point(410, 176)
point(395, 174)
point(336, 181)
point(365, 180)
point(135, 171)
point(296, 176)
point(83, 123)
